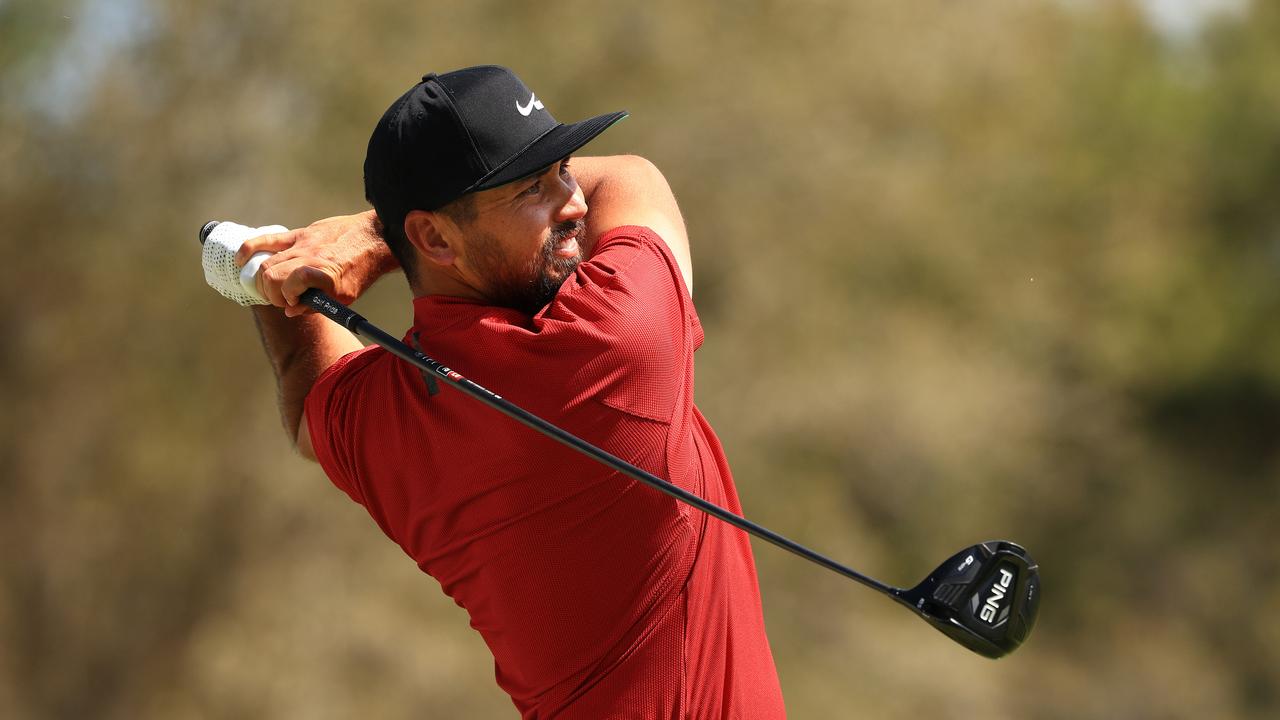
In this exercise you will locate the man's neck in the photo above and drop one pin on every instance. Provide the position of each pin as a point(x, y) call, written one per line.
point(430, 282)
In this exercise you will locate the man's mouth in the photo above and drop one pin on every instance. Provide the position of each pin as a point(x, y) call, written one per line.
point(567, 246)
point(565, 241)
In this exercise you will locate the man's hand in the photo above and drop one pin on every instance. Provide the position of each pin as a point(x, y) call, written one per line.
point(343, 256)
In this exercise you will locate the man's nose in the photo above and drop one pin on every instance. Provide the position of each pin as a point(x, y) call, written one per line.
point(574, 206)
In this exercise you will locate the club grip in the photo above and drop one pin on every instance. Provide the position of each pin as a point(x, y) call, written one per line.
point(208, 228)
point(313, 298)
point(334, 310)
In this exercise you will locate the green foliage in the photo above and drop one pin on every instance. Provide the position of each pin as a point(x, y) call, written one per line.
point(967, 270)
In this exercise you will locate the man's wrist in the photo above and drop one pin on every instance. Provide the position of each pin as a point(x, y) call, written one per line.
point(383, 260)
point(376, 258)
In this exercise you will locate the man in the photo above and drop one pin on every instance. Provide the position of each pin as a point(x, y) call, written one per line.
point(564, 286)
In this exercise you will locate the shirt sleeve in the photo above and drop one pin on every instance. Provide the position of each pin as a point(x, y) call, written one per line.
point(629, 303)
point(331, 408)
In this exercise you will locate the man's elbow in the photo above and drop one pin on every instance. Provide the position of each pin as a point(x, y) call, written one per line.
point(641, 171)
point(302, 440)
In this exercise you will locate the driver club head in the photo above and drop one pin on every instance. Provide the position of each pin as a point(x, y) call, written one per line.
point(984, 597)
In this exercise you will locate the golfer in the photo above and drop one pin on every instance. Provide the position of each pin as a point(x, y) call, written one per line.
point(565, 285)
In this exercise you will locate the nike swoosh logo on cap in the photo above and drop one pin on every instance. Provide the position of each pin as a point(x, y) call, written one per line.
point(534, 102)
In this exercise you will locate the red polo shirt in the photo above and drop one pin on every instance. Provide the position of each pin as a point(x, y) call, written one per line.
point(599, 596)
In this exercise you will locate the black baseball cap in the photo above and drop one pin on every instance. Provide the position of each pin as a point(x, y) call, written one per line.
point(460, 132)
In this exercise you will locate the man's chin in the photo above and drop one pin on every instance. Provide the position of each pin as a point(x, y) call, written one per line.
point(562, 267)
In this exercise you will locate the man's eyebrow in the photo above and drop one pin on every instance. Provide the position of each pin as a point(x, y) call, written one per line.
point(525, 184)
point(520, 186)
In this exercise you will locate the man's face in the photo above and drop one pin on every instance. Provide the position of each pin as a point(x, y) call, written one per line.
point(521, 240)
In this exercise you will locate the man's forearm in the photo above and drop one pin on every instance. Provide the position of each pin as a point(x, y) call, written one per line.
point(594, 173)
point(300, 349)
point(629, 190)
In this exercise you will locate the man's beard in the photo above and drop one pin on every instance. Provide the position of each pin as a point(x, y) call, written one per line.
point(540, 278)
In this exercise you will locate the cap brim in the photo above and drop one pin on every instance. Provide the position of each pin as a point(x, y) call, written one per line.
point(552, 146)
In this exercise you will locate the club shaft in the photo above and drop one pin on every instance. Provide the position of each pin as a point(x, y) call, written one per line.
point(357, 324)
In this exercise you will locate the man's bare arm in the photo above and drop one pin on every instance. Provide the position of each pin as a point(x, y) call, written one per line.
point(343, 257)
point(629, 190)
point(300, 350)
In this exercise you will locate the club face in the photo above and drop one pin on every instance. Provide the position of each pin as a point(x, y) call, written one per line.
point(984, 597)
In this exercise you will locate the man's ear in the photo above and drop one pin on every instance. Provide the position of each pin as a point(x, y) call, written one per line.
point(424, 230)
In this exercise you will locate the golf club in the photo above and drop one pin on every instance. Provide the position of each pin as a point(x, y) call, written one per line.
point(984, 597)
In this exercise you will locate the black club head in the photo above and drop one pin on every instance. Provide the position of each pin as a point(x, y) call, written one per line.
point(984, 597)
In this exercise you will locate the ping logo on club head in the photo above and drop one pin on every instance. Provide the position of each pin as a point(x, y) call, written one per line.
point(990, 612)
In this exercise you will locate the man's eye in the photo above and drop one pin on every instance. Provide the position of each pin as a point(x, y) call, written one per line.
point(564, 168)
point(533, 189)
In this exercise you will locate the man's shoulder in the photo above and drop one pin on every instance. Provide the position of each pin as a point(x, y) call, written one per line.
point(619, 248)
point(365, 362)
point(632, 233)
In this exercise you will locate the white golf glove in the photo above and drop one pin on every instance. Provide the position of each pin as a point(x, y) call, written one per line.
point(219, 260)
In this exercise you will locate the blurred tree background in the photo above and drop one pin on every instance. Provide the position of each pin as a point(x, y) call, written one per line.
point(967, 269)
